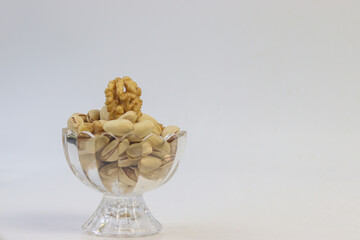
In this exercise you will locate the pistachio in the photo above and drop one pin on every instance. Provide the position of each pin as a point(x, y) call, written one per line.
point(109, 176)
point(160, 173)
point(125, 161)
point(156, 140)
point(110, 153)
point(83, 116)
point(146, 148)
point(85, 127)
point(98, 126)
point(170, 129)
point(119, 127)
point(133, 139)
point(137, 150)
point(93, 115)
point(104, 114)
point(149, 163)
point(145, 116)
point(101, 141)
point(161, 150)
point(157, 129)
point(128, 175)
point(123, 146)
point(74, 122)
point(143, 128)
point(134, 150)
point(129, 115)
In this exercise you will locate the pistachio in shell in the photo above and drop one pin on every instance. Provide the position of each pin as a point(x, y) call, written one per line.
point(128, 175)
point(143, 128)
point(74, 122)
point(104, 114)
point(101, 141)
point(93, 115)
point(169, 130)
point(162, 150)
point(129, 115)
point(119, 127)
point(137, 150)
point(149, 163)
point(110, 153)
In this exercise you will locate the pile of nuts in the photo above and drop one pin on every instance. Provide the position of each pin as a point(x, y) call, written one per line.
point(125, 144)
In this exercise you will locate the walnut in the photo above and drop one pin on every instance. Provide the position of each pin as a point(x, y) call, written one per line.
point(119, 101)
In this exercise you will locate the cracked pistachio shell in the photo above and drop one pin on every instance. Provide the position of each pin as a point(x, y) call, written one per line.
point(93, 115)
point(74, 122)
point(143, 128)
point(110, 153)
point(169, 130)
point(162, 150)
point(136, 150)
point(145, 116)
point(123, 146)
point(128, 175)
point(129, 115)
point(119, 127)
point(104, 114)
point(149, 163)
point(83, 116)
point(101, 141)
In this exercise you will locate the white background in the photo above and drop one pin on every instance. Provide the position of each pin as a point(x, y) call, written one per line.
point(269, 92)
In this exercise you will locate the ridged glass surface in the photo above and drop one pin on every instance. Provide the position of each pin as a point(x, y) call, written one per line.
point(123, 169)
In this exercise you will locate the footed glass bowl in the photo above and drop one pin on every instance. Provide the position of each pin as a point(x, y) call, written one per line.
point(123, 169)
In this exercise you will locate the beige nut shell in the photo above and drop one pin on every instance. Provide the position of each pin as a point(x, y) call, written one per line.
point(169, 130)
point(149, 163)
point(119, 127)
point(143, 128)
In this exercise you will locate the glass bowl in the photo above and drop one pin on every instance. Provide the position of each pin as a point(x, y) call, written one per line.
point(123, 169)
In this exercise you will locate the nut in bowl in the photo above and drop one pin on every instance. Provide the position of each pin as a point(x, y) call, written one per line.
point(123, 154)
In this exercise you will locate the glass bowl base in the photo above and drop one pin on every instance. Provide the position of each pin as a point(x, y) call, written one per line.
point(122, 216)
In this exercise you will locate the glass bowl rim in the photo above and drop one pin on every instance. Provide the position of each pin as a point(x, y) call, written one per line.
point(182, 133)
